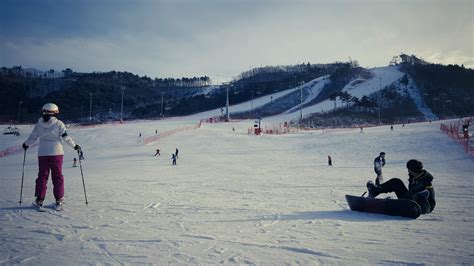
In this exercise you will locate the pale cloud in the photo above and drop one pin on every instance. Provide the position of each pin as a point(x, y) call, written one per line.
point(449, 57)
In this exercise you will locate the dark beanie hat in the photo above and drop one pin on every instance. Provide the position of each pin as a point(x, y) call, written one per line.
point(415, 166)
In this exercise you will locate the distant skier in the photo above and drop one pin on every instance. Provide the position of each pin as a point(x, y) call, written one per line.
point(50, 131)
point(176, 153)
point(81, 155)
point(391, 128)
point(420, 187)
point(379, 162)
point(329, 161)
point(173, 158)
point(74, 164)
point(157, 152)
point(361, 129)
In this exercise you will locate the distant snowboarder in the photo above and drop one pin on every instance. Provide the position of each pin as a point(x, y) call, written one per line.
point(379, 162)
point(361, 129)
point(176, 153)
point(173, 158)
point(157, 152)
point(391, 128)
point(81, 155)
point(329, 161)
point(74, 164)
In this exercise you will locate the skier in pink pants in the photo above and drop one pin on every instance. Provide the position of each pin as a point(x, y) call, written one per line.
point(51, 132)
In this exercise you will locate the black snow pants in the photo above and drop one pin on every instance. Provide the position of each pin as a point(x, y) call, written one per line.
point(397, 186)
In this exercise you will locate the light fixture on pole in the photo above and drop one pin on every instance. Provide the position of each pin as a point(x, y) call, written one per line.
point(227, 116)
point(19, 109)
point(121, 108)
point(251, 105)
point(301, 102)
point(161, 114)
point(380, 91)
point(90, 107)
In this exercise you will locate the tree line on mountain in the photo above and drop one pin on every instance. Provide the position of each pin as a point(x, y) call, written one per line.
point(447, 90)
point(74, 93)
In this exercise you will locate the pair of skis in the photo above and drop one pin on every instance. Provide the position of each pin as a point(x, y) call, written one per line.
point(42, 208)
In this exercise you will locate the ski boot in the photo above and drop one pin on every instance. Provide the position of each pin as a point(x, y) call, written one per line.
point(373, 189)
point(38, 203)
point(59, 204)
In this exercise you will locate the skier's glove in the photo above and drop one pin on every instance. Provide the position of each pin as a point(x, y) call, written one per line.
point(77, 147)
point(25, 147)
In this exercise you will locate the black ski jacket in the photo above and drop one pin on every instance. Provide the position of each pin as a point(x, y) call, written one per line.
point(420, 183)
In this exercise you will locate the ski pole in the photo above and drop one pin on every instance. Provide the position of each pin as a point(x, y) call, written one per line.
point(22, 176)
point(82, 174)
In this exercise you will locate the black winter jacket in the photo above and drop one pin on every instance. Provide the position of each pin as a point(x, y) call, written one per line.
point(420, 183)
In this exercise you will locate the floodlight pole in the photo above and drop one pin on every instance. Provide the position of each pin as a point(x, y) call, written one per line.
point(227, 117)
point(90, 107)
point(121, 108)
point(380, 91)
point(19, 109)
point(161, 114)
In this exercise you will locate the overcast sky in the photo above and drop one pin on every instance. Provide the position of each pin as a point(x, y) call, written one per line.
point(222, 38)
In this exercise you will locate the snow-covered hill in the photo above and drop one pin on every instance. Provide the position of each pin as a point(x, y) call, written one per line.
point(381, 78)
point(236, 198)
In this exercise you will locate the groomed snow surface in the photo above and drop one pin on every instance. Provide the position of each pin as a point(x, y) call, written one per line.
point(236, 198)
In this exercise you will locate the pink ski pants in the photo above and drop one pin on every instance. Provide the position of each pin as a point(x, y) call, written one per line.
point(45, 163)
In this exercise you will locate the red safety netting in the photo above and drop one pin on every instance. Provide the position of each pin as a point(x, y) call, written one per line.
point(459, 132)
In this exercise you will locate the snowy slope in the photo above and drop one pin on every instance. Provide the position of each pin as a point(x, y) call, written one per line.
point(415, 94)
point(313, 87)
point(382, 77)
point(235, 198)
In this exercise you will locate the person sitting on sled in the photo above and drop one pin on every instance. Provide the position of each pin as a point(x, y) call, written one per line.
point(420, 188)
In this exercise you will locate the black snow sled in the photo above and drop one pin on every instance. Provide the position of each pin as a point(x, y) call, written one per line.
point(393, 207)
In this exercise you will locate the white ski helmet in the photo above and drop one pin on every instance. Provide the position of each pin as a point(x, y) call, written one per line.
point(50, 109)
